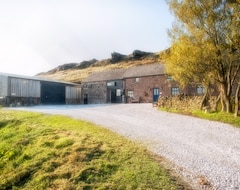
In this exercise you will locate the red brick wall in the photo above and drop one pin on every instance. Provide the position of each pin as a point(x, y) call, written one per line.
point(144, 87)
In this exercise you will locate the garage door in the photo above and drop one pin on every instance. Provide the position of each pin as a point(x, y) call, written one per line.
point(52, 93)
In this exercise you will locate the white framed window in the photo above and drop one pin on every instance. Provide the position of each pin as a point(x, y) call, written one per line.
point(175, 91)
point(118, 92)
point(169, 78)
point(112, 83)
point(156, 91)
point(137, 79)
point(130, 93)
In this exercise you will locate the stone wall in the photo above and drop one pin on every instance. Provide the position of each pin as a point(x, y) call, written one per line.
point(186, 103)
point(96, 92)
point(21, 101)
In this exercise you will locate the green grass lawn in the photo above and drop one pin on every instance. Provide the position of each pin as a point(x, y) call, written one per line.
point(213, 116)
point(54, 152)
point(219, 116)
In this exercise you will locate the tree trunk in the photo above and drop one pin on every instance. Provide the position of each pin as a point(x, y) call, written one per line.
point(204, 100)
point(222, 102)
point(227, 107)
point(216, 102)
point(237, 100)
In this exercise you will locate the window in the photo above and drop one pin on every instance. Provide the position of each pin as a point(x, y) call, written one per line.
point(156, 91)
point(112, 83)
point(130, 93)
point(200, 89)
point(137, 79)
point(118, 92)
point(175, 91)
point(169, 78)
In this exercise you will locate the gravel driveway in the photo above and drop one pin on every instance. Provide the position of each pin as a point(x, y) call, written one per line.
point(201, 151)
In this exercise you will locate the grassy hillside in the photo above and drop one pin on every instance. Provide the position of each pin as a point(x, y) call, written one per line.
point(54, 152)
point(77, 74)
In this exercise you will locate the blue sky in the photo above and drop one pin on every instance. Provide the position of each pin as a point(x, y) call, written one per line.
point(36, 36)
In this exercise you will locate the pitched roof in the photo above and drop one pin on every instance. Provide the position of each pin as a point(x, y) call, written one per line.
point(136, 71)
point(145, 70)
point(105, 75)
point(36, 78)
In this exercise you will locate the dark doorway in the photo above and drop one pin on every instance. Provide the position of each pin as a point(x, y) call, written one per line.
point(113, 96)
point(114, 91)
point(85, 98)
point(52, 93)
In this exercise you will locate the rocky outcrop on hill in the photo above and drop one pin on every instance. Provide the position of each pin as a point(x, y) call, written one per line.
point(82, 65)
point(62, 67)
point(75, 72)
point(116, 57)
point(136, 55)
point(139, 54)
point(85, 64)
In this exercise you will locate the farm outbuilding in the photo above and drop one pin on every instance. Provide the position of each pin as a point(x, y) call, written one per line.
point(16, 90)
point(142, 83)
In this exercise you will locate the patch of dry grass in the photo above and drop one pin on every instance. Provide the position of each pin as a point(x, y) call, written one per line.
point(77, 75)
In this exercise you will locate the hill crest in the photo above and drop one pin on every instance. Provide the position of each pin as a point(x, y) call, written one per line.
point(76, 72)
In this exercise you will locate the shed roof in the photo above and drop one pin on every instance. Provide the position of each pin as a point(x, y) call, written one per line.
point(136, 71)
point(35, 78)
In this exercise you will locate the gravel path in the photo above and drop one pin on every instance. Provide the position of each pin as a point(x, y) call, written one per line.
point(204, 153)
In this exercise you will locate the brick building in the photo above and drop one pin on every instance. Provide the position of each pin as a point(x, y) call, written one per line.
point(143, 83)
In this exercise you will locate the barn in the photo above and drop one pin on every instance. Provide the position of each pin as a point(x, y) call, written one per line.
point(103, 87)
point(16, 90)
point(142, 83)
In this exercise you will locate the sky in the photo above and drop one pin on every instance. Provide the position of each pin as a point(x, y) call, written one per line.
point(39, 35)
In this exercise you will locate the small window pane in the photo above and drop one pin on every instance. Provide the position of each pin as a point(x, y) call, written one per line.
point(130, 93)
point(200, 89)
point(175, 91)
point(118, 92)
point(112, 83)
point(156, 91)
point(169, 78)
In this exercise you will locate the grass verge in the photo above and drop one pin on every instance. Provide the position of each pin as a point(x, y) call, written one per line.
point(54, 152)
point(218, 116)
point(213, 116)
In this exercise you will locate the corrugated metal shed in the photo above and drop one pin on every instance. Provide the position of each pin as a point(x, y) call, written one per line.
point(3, 86)
point(24, 90)
point(73, 92)
point(24, 87)
point(34, 78)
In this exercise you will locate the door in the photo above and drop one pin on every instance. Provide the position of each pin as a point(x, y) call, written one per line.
point(85, 98)
point(113, 96)
point(52, 93)
point(156, 93)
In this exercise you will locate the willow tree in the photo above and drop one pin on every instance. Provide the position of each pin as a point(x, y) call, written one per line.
point(205, 44)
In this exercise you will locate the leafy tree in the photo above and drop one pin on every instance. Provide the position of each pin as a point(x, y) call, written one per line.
point(205, 44)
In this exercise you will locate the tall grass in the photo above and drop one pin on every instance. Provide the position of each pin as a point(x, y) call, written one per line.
point(54, 152)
